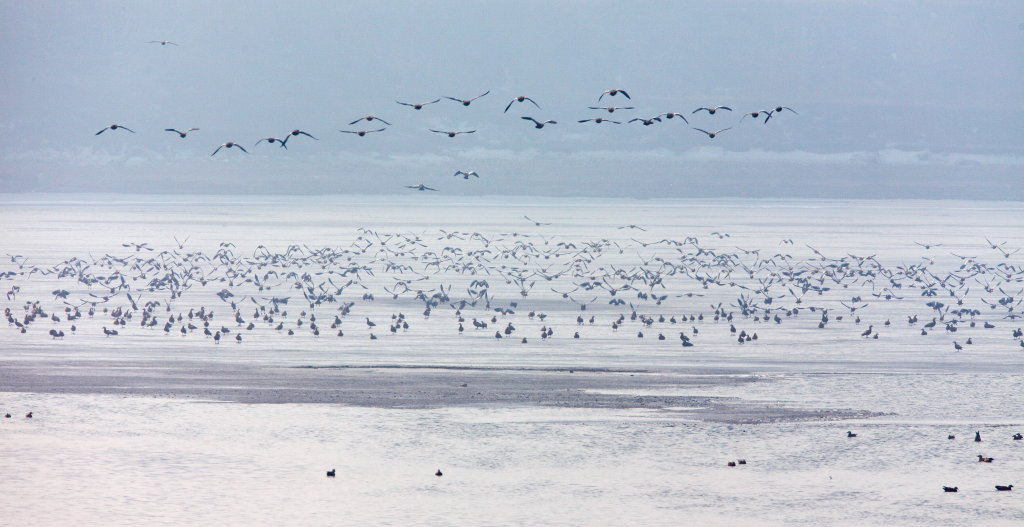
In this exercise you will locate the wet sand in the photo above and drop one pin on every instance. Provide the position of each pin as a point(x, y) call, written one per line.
point(413, 387)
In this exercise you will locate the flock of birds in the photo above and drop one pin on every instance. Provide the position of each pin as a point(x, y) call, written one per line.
point(505, 283)
point(710, 130)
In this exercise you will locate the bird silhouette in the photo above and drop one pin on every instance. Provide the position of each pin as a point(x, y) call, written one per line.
point(538, 124)
point(114, 127)
point(711, 135)
point(466, 102)
point(452, 134)
point(369, 118)
point(612, 93)
point(419, 105)
point(712, 109)
point(229, 144)
point(361, 133)
point(521, 98)
point(179, 132)
point(421, 187)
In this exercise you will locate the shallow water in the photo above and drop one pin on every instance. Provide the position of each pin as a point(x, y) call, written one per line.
point(126, 460)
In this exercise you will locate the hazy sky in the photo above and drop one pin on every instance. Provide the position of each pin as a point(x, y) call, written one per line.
point(895, 98)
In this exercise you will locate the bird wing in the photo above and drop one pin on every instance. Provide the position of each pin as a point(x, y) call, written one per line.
point(405, 103)
point(356, 121)
point(533, 101)
point(173, 130)
point(101, 131)
point(530, 119)
point(217, 150)
point(242, 148)
point(706, 132)
point(307, 135)
point(481, 95)
point(723, 129)
point(509, 105)
point(624, 93)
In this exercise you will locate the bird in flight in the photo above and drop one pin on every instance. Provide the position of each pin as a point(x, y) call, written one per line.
point(272, 140)
point(645, 122)
point(711, 135)
point(115, 127)
point(299, 132)
point(612, 93)
point(535, 222)
point(161, 42)
point(466, 175)
point(756, 114)
point(369, 118)
point(611, 109)
point(420, 187)
point(179, 132)
point(417, 106)
point(539, 124)
point(672, 115)
point(599, 120)
point(466, 102)
point(361, 133)
point(229, 144)
point(711, 110)
point(778, 109)
point(452, 134)
point(521, 98)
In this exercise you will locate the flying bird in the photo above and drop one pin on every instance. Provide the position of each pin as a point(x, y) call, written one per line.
point(711, 110)
point(599, 120)
point(711, 135)
point(369, 118)
point(646, 122)
point(535, 222)
point(673, 115)
point(755, 115)
point(521, 98)
point(273, 140)
point(300, 132)
point(417, 106)
point(361, 133)
point(421, 187)
point(612, 93)
point(778, 109)
point(179, 132)
point(466, 102)
point(611, 109)
point(539, 124)
point(114, 127)
point(452, 134)
point(229, 144)
point(466, 175)
point(161, 42)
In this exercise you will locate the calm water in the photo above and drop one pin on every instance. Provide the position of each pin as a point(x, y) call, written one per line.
point(112, 460)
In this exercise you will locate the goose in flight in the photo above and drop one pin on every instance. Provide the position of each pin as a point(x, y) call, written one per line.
point(673, 115)
point(711, 135)
point(229, 144)
point(466, 175)
point(521, 98)
point(369, 118)
point(179, 132)
point(778, 109)
point(612, 93)
point(756, 114)
point(452, 134)
point(466, 102)
point(712, 109)
point(421, 187)
point(645, 122)
point(273, 140)
point(599, 120)
point(538, 124)
point(535, 222)
point(115, 127)
point(300, 132)
point(161, 42)
point(361, 133)
point(611, 109)
point(417, 106)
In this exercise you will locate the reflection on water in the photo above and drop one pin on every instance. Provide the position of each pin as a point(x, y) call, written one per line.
point(114, 460)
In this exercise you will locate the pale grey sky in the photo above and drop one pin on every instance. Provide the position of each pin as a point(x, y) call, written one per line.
point(895, 98)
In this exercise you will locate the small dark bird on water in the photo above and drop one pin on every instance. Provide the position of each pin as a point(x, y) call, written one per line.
point(438, 473)
point(950, 489)
point(977, 437)
point(330, 473)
